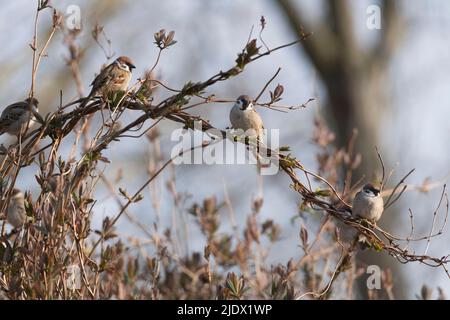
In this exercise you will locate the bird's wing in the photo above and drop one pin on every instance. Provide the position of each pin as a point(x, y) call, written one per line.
point(118, 76)
point(256, 120)
point(356, 198)
point(101, 79)
point(13, 112)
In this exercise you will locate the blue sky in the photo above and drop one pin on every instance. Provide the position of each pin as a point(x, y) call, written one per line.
point(415, 131)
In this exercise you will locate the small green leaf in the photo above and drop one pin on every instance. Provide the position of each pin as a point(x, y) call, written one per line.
point(323, 193)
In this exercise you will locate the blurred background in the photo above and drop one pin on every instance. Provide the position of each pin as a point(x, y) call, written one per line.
point(391, 83)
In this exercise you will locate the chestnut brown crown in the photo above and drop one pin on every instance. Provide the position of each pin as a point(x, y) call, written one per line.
point(126, 60)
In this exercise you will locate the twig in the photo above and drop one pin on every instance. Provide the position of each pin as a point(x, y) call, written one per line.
point(37, 61)
point(388, 202)
point(383, 169)
point(267, 84)
point(434, 220)
point(131, 200)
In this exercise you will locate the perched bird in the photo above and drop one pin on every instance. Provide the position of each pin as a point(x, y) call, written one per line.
point(368, 203)
point(244, 116)
point(113, 78)
point(17, 116)
point(16, 213)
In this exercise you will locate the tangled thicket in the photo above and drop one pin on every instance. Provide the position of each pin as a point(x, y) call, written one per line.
point(35, 261)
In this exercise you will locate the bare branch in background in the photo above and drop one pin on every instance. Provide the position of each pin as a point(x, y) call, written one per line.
point(57, 234)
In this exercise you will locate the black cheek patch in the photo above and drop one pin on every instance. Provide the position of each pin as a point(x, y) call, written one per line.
point(374, 190)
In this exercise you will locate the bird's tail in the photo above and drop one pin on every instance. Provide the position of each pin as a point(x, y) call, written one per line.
point(261, 161)
point(84, 103)
point(87, 99)
point(362, 242)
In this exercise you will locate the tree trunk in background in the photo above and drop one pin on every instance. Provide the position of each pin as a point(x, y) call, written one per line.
point(356, 80)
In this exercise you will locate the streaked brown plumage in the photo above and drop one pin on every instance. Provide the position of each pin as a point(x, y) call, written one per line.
point(17, 116)
point(113, 78)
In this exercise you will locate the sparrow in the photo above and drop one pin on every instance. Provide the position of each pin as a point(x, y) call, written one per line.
point(16, 213)
point(113, 78)
point(368, 203)
point(244, 116)
point(18, 116)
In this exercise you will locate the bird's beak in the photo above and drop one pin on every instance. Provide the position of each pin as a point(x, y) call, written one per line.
point(132, 66)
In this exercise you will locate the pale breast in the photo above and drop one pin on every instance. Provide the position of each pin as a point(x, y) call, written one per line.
point(369, 208)
point(16, 214)
point(246, 120)
point(119, 81)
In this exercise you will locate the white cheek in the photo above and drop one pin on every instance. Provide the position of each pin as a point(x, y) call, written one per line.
point(124, 67)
